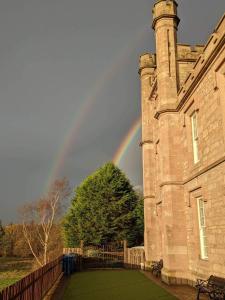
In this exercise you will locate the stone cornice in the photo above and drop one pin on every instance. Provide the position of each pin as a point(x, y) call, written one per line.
point(186, 60)
point(197, 174)
point(163, 111)
point(171, 183)
point(145, 142)
point(149, 197)
point(146, 67)
point(172, 108)
point(206, 169)
point(157, 1)
point(165, 16)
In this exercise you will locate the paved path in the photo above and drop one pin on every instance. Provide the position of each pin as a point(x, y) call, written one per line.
point(182, 292)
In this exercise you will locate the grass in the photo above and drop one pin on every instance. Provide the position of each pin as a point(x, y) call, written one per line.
point(13, 269)
point(113, 285)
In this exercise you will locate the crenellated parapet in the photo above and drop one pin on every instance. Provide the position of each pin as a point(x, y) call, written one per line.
point(147, 61)
point(165, 9)
point(187, 55)
point(188, 52)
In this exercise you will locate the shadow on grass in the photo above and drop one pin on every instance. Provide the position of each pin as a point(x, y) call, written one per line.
point(113, 285)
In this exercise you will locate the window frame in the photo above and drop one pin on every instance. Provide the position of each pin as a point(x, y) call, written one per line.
point(195, 138)
point(202, 228)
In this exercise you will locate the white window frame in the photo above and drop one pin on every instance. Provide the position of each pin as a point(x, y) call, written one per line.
point(202, 228)
point(194, 126)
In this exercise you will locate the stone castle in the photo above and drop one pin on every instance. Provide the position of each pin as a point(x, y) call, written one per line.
point(183, 146)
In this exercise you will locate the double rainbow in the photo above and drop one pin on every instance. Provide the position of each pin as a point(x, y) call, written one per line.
point(85, 109)
point(127, 141)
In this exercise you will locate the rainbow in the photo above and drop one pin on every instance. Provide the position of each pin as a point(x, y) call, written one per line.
point(121, 151)
point(81, 115)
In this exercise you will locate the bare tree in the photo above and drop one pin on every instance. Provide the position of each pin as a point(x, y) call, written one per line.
point(39, 218)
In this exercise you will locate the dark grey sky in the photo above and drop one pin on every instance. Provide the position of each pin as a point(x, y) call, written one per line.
point(55, 57)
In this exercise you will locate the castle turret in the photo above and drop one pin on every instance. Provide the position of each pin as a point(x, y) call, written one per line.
point(165, 24)
point(146, 70)
point(147, 73)
point(162, 151)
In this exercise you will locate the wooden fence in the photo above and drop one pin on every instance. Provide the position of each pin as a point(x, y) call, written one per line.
point(78, 251)
point(135, 258)
point(99, 256)
point(116, 254)
point(35, 285)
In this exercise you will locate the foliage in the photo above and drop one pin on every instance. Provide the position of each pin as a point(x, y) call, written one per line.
point(40, 218)
point(2, 233)
point(139, 225)
point(105, 208)
point(13, 242)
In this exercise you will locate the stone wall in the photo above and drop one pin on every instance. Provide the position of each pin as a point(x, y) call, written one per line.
point(207, 177)
point(179, 81)
point(186, 57)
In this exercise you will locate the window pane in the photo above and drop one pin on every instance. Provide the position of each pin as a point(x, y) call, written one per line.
point(202, 228)
point(195, 126)
point(195, 136)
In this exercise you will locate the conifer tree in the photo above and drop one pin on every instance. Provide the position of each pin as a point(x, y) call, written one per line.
point(2, 233)
point(103, 210)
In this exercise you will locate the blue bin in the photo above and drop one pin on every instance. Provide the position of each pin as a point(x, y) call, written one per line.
point(69, 264)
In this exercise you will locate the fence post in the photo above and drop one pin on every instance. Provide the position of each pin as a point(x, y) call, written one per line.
point(41, 282)
point(125, 252)
point(82, 247)
point(33, 282)
point(81, 254)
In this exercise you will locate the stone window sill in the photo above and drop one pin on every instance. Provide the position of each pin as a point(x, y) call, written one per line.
point(203, 259)
point(196, 165)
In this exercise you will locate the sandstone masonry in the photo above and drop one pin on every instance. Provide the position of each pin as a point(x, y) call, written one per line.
point(183, 145)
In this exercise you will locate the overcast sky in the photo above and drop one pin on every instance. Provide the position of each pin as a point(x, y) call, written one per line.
point(73, 64)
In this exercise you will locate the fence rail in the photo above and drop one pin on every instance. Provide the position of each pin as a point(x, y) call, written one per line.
point(99, 256)
point(135, 258)
point(109, 255)
point(78, 251)
point(35, 285)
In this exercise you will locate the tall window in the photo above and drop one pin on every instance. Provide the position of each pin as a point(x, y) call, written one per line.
point(202, 228)
point(194, 126)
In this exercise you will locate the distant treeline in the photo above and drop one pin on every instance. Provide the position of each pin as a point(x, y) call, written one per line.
point(104, 208)
point(13, 242)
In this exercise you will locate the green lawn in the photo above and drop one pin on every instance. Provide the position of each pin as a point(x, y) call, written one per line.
point(113, 285)
point(4, 282)
point(13, 269)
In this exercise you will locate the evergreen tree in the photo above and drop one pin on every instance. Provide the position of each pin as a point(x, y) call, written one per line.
point(104, 209)
point(139, 226)
point(2, 233)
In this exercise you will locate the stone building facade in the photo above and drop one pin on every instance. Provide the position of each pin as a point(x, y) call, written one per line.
point(183, 147)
